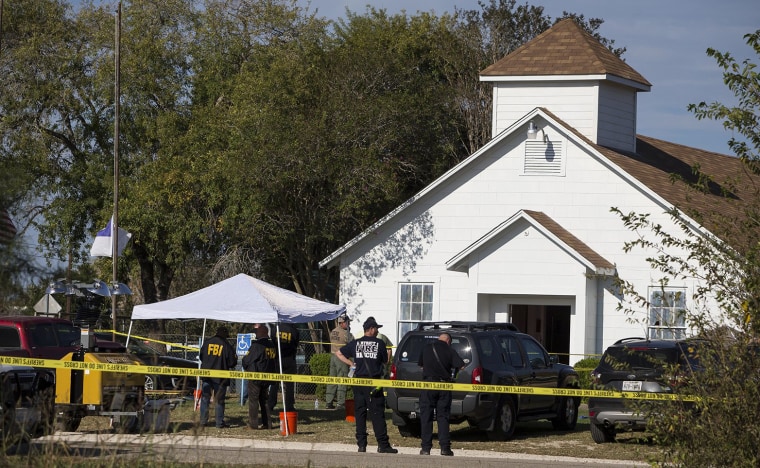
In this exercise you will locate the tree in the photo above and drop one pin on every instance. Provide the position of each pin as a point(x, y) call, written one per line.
point(720, 428)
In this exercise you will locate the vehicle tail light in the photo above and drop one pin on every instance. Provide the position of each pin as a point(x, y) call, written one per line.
point(477, 376)
point(393, 371)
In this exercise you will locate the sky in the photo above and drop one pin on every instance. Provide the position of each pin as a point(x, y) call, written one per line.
point(666, 42)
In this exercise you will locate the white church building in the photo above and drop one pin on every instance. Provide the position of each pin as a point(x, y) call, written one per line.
point(522, 230)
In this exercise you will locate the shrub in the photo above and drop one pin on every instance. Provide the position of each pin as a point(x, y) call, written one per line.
point(320, 365)
point(584, 368)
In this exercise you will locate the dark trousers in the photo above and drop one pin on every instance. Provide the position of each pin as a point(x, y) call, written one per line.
point(365, 403)
point(440, 402)
point(289, 366)
point(258, 396)
point(220, 394)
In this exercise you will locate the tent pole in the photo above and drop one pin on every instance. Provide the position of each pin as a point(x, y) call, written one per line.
point(129, 333)
point(282, 382)
point(198, 388)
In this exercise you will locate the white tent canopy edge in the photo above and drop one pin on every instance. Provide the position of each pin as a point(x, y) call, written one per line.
point(241, 299)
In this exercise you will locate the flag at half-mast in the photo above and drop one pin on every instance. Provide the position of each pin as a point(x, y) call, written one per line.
point(103, 244)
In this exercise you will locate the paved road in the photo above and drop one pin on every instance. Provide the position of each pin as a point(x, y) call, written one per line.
point(205, 449)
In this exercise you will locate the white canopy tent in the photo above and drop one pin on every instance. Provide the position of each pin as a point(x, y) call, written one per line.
point(241, 299)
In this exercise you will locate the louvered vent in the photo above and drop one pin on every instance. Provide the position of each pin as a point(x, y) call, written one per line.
point(543, 158)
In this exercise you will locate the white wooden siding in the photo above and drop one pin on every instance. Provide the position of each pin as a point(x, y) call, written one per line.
point(475, 201)
point(575, 102)
point(617, 117)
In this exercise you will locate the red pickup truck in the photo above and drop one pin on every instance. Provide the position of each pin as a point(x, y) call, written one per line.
point(43, 337)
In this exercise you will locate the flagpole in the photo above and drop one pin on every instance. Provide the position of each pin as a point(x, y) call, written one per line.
point(115, 224)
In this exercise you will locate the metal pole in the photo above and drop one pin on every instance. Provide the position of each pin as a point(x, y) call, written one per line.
point(115, 224)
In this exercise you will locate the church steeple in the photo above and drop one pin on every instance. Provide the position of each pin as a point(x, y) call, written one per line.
point(567, 71)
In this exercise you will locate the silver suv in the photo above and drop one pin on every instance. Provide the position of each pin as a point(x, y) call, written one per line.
point(494, 354)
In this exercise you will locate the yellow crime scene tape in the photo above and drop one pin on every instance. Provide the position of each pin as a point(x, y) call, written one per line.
point(115, 362)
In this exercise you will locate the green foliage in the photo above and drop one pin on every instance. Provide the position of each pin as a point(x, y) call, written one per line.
point(320, 365)
point(584, 368)
point(721, 427)
point(743, 119)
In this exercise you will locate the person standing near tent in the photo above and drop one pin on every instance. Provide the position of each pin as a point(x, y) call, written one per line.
point(218, 354)
point(286, 341)
point(339, 337)
point(261, 357)
point(369, 357)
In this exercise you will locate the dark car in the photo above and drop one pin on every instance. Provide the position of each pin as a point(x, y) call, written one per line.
point(494, 354)
point(27, 398)
point(637, 365)
point(151, 357)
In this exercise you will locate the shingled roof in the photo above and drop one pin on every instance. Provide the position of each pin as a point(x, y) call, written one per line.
point(564, 49)
point(728, 189)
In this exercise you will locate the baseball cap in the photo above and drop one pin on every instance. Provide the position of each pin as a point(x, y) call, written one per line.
point(371, 322)
point(343, 318)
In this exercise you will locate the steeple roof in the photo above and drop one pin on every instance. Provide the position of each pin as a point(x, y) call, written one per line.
point(562, 50)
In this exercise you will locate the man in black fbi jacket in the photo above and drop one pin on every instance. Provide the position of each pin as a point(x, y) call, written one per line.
point(439, 364)
point(261, 357)
point(288, 338)
point(219, 354)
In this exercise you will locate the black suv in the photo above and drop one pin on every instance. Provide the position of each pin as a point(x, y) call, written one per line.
point(494, 354)
point(637, 365)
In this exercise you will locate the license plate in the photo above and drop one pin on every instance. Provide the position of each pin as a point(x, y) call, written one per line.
point(631, 385)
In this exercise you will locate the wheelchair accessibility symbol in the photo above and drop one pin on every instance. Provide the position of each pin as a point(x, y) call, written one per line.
point(243, 343)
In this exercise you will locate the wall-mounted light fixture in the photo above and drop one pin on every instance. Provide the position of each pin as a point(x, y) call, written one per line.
point(533, 132)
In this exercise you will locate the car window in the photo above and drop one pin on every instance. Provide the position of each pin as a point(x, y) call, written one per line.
point(410, 352)
point(512, 351)
point(9, 337)
point(68, 335)
point(42, 335)
point(462, 347)
point(629, 358)
point(413, 347)
point(490, 354)
point(535, 353)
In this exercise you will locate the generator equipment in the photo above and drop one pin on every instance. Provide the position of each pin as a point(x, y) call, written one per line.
point(112, 391)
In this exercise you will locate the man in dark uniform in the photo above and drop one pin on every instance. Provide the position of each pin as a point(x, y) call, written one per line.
point(261, 357)
point(437, 361)
point(288, 346)
point(369, 355)
point(219, 354)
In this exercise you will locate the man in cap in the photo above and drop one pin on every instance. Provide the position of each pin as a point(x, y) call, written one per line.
point(261, 357)
point(388, 345)
point(339, 337)
point(369, 356)
point(219, 354)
